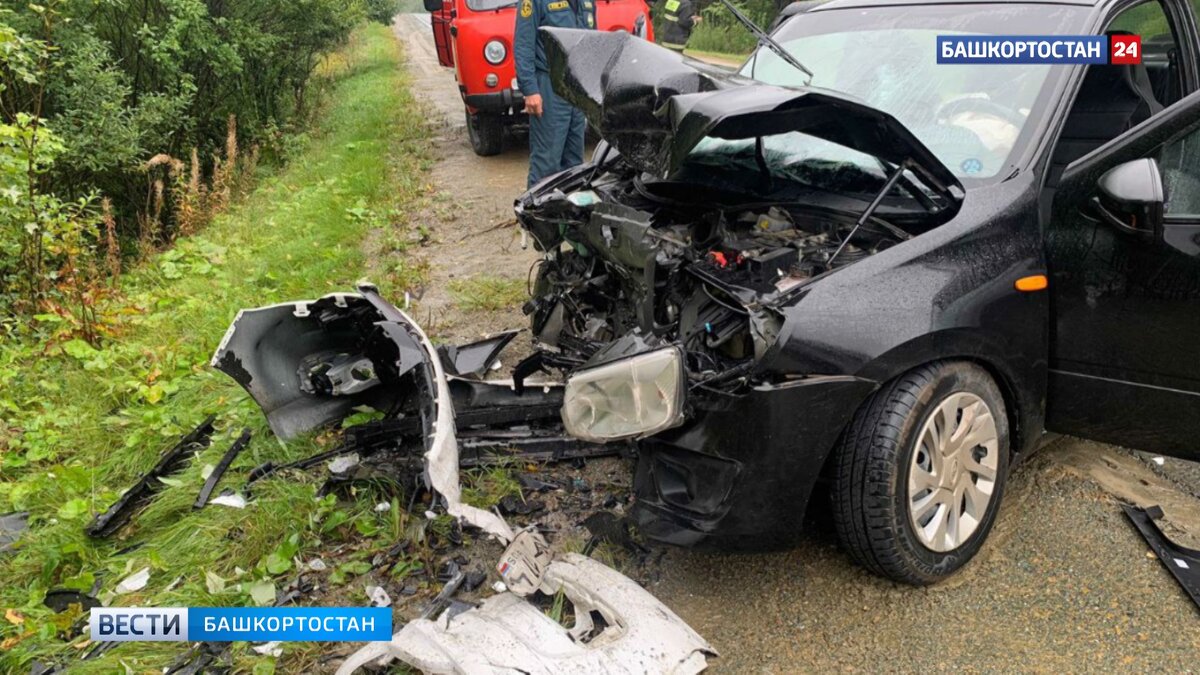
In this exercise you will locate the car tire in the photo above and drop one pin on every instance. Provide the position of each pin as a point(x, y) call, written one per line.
point(902, 506)
point(486, 131)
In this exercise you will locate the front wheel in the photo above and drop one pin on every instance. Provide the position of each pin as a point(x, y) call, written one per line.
point(920, 472)
point(486, 131)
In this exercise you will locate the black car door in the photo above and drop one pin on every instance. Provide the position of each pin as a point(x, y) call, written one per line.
point(1125, 284)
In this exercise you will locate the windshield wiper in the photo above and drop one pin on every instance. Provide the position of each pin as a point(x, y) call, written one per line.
point(767, 41)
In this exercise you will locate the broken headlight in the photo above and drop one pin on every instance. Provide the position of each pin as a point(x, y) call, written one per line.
point(631, 398)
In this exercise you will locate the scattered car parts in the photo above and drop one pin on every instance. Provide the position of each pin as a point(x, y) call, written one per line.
point(282, 356)
point(1183, 563)
point(619, 628)
point(123, 509)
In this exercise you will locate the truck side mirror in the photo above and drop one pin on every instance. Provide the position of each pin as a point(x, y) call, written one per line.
point(1131, 198)
point(433, 5)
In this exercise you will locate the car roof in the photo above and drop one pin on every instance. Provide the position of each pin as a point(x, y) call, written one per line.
point(844, 4)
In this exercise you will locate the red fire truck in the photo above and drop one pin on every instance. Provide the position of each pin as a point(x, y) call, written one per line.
point(475, 38)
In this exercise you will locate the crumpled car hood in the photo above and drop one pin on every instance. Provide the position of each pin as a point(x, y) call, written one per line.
point(653, 106)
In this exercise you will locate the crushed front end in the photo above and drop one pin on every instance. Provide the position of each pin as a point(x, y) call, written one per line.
point(661, 314)
point(671, 263)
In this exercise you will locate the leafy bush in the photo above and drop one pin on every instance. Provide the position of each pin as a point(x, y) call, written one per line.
point(91, 91)
point(383, 11)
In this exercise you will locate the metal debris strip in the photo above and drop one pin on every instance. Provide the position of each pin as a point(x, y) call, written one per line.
point(123, 509)
point(441, 453)
point(215, 477)
point(1183, 563)
point(11, 527)
point(619, 628)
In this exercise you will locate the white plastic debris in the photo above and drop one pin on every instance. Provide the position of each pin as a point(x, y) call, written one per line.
point(378, 596)
point(639, 634)
point(499, 587)
point(1158, 460)
point(524, 562)
point(269, 649)
point(134, 582)
point(344, 463)
point(441, 457)
point(233, 500)
point(383, 507)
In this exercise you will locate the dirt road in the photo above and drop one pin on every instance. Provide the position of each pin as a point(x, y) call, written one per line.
point(1064, 583)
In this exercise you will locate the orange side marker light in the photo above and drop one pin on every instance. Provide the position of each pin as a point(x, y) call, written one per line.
point(1036, 282)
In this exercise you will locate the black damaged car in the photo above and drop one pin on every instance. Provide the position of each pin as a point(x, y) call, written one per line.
point(841, 265)
point(872, 269)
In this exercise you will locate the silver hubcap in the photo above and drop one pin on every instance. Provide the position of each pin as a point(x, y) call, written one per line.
point(953, 472)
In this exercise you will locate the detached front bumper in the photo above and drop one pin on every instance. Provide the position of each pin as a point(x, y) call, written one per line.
point(740, 473)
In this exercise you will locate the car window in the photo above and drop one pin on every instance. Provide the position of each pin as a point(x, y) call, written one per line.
point(975, 119)
point(1160, 49)
point(489, 5)
point(1147, 19)
point(1179, 162)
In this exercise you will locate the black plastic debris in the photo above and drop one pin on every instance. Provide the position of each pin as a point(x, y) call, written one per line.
point(475, 358)
point(473, 580)
point(510, 505)
point(606, 527)
point(215, 477)
point(60, 600)
point(531, 483)
point(447, 593)
point(123, 509)
point(11, 527)
point(1183, 563)
point(448, 571)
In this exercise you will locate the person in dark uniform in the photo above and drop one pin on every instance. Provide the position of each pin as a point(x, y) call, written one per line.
point(681, 17)
point(555, 127)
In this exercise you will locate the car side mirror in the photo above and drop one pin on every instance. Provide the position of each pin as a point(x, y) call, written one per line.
point(1131, 198)
point(433, 5)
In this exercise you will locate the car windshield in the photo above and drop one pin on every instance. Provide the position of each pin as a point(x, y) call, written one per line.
point(488, 5)
point(974, 118)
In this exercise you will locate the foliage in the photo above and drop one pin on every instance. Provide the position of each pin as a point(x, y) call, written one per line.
point(80, 422)
point(720, 33)
point(91, 91)
point(382, 11)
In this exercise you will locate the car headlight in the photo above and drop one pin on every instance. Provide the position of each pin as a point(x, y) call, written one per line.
point(634, 397)
point(495, 51)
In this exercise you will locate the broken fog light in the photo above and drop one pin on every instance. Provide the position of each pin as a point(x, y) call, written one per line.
point(635, 397)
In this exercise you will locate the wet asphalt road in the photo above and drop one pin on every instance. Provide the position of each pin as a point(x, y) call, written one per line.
point(1064, 583)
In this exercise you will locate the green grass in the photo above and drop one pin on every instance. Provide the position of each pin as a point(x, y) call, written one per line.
point(77, 428)
point(719, 58)
point(488, 293)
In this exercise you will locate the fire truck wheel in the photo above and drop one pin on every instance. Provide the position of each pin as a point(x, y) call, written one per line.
point(487, 133)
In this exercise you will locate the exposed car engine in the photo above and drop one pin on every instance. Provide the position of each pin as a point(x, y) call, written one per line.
point(625, 256)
